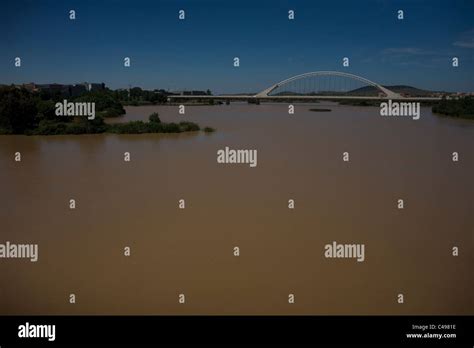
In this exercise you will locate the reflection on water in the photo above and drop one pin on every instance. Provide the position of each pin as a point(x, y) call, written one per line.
point(190, 251)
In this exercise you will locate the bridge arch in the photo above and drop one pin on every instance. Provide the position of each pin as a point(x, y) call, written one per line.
point(388, 93)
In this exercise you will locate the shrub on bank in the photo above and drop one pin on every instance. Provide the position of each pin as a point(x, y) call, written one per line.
point(209, 129)
point(153, 126)
point(188, 126)
point(462, 107)
point(154, 118)
point(132, 127)
point(171, 128)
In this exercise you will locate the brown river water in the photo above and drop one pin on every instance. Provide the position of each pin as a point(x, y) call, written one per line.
point(190, 251)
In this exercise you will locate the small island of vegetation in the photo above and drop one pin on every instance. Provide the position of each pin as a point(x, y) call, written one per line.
point(359, 102)
point(320, 110)
point(24, 112)
point(460, 107)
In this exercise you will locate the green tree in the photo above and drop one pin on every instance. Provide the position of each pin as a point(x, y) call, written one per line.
point(17, 110)
point(154, 118)
point(46, 109)
point(106, 102)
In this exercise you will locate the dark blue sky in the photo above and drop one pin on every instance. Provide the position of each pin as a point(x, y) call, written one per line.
point(197, 53)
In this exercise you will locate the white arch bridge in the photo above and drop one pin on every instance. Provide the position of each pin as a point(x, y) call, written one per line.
point(316, 85)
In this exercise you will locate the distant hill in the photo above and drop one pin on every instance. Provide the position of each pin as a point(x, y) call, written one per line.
point(367, 91)
point(409, 90)
point(400, 89)
point(290, 93)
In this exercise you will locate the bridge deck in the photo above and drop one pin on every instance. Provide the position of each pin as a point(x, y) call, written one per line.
point(300, 97)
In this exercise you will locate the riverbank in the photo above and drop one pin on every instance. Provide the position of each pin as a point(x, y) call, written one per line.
point(458, 108)
point(23, 112)
point(98, 126)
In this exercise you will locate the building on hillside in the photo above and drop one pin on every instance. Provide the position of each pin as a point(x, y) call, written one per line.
point(65, 90)
point(32, 87)
point(54, 89)
point(189, 93)
point(77, 89)
point(91, 87)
